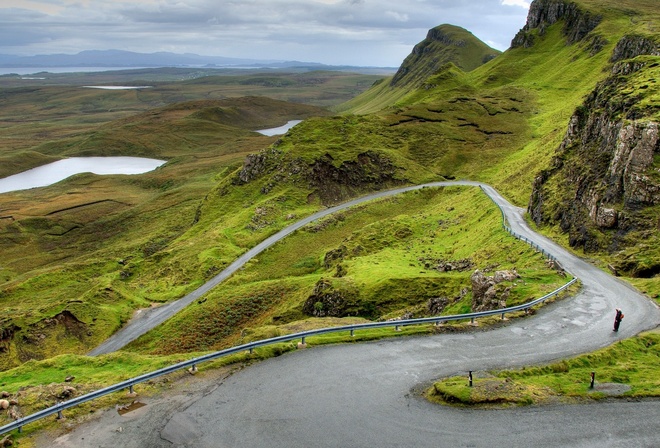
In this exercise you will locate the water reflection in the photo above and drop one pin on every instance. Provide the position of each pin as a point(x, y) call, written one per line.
point(54, 172)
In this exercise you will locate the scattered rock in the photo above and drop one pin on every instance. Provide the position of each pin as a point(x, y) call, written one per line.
point(67, 392)
point(435, 305)
point(329, 299)
point(4, 404)
point(487, 293)
point(333, 256)
point(405, 316)
point(447, 265)
point(14, 413)
point(68, 379)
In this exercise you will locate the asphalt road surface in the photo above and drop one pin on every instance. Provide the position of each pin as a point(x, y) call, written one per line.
point(367, 395)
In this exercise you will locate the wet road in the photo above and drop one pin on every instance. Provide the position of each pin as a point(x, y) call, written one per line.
point(365, 395)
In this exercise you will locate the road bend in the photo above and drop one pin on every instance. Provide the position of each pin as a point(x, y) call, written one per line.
point(368, 394)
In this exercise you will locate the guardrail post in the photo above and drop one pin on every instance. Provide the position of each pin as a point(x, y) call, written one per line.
point(470, 378)
point(303, 340)
point(130, 389)
point(502, 316)
point(352, 333)
point(593, 379)
point(396, 328)
point(251, 350)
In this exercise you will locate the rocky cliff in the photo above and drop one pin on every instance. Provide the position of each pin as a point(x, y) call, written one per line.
point(328, 182)
point(603, 186)
point(578, 23)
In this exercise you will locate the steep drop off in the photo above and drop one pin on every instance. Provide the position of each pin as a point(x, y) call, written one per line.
point(603, 186)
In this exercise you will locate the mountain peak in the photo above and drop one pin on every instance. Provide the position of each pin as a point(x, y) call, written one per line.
point(443, 44)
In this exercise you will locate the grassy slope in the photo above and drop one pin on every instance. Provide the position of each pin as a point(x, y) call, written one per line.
point(632, 363)
point(523, 99)
point(443, 44)
point(385, 245)
point(72, 246)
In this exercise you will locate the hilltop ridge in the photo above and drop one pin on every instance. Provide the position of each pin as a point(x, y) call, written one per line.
point(444, 44)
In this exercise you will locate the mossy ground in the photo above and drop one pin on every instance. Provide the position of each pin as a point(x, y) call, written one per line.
point(632, 364)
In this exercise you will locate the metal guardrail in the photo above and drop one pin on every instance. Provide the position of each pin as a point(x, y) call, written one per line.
point(545, 253)
point(192, 363)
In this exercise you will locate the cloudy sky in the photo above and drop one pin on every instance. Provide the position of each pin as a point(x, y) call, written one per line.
point(353, 32)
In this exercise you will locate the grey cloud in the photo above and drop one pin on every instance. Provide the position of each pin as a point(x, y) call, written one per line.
point(370, 32)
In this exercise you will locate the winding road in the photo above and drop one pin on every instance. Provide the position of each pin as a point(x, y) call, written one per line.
point(367, 395)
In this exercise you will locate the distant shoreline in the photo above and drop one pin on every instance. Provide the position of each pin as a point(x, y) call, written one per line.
point(32, 71)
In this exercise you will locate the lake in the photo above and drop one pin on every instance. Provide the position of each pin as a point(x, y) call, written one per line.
point(281, 130)
point(118, 87)
point(51, 173)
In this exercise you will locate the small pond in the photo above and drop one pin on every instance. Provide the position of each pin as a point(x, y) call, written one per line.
point(117, 87)
point(280, 130)
point(54, 172)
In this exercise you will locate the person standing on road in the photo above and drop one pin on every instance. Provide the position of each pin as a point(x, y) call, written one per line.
point(617, 319)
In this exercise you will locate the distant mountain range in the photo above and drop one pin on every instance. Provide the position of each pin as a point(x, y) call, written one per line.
point(119, 58)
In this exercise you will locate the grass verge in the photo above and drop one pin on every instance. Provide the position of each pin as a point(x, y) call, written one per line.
point(626, 369)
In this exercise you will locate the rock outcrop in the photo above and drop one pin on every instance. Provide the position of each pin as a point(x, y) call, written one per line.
point(488, 293)
point(632, 46)
point(329, 181)
point(333, 184)
point(543, 13)
point(603, 180)
point(329, 300)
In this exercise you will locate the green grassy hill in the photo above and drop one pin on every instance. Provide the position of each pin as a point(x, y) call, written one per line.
point(443, 44)
point(80, 257)
point(446, 48)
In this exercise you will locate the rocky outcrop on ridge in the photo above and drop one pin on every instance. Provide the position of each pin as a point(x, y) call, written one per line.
point(603, 182)
point(543, 13)
point(488, 292)
point(332, 184)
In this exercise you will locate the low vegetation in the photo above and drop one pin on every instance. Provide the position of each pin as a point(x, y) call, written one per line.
point(626, 369)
